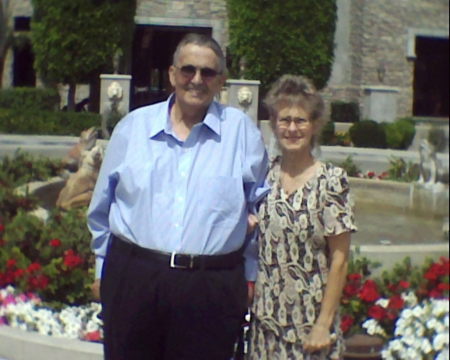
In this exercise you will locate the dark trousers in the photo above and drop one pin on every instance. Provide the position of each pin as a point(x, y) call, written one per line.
point(153, 312)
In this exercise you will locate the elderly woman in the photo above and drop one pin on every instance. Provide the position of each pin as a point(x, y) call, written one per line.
point(305, 225)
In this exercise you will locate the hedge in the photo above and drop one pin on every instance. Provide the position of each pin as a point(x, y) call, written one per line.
point(24, 98)
point(46, 122)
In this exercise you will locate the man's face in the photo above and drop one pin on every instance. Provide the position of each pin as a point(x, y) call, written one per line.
point(196, 77)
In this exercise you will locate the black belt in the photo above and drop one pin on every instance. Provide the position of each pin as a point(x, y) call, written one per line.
point(180, 261)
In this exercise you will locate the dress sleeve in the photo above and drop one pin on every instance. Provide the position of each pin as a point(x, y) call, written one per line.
point(338, 214)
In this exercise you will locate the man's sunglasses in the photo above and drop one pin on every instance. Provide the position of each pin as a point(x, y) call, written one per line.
point(206, 73)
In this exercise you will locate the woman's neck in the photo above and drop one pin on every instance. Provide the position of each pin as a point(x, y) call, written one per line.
point(294, 164)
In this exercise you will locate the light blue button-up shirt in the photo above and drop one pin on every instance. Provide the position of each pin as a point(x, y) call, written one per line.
point(189, 196)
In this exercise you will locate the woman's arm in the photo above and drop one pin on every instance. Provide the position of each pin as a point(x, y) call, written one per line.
point(339, 248)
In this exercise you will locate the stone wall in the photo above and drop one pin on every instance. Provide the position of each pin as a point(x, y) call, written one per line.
point(382, 35)
point(197, 13)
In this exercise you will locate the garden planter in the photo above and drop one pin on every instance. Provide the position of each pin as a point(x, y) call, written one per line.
point(362, 346)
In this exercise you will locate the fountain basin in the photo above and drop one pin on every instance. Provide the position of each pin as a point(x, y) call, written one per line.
point(396, 220)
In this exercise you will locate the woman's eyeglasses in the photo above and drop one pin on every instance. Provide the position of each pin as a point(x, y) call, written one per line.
point(285, 122)
point(206, 73)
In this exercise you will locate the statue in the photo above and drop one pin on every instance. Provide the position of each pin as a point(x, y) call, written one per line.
point(86, 142)
point(245, 97)
point(112, 113)
point(431, 173)
point(80, 185)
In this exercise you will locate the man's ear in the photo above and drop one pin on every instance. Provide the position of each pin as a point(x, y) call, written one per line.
point(172, 70)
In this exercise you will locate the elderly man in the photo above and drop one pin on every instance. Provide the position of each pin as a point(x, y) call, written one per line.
point(169, 218)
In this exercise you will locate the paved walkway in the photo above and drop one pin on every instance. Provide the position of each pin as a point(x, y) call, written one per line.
point(50, 146)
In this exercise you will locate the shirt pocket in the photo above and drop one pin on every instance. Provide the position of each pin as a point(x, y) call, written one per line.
point(221, 197)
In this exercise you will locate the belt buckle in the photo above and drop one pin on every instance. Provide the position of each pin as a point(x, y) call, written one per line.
point(173, 265)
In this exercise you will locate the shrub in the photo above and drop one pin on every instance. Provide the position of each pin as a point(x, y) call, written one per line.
point(400, 170)
point(368, 133)
point(327, 136)
point(400, 134)
point(384, 297)
point(52, 259)
point(350, 167)
point(437, 137)
point(344, 111)
point(46, 122)
point(34, 99)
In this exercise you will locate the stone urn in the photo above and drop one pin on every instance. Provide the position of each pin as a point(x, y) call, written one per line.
point(362, 346)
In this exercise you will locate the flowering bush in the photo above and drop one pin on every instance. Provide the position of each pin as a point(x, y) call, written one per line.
point(407, 306)
point(52, 258)
point(421, 331)
point(26, 312)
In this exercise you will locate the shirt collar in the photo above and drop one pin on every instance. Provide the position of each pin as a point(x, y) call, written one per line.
point(162, 122)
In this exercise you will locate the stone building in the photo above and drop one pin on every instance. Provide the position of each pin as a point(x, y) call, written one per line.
point(391, 57)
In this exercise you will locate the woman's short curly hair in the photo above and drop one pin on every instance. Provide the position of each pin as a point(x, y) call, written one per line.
point(295, 90)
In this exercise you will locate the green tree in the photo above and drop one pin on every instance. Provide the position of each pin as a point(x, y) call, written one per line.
point(75, 40)
point(5, 32)
point(279, 37)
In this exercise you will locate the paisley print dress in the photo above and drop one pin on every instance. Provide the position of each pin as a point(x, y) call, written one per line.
point(293, 262)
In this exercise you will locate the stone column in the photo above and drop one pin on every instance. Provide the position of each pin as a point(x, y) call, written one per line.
point(380, 103)
point(114, 98)
point(244, 95)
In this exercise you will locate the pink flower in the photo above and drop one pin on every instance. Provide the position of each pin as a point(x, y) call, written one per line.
point(93, 336)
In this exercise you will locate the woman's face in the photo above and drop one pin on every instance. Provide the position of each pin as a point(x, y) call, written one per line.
point(294, 130)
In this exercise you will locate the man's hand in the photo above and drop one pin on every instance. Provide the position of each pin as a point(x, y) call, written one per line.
point(95, 288)
point(319, 338)
point(252, 222)
point(251, 292)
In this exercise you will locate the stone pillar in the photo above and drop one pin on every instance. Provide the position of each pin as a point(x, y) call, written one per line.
point(114, 98)
point(380, 103)
point(244, 95)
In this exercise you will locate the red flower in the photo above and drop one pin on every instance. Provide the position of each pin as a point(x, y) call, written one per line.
point(2, 242)
point(351, 290)
point(38, 282)
point(371, 174)
point(55, 242)
point(19, 273)
point(435, 294)
point(34, 267)
point(347, 322)
point(396, 302)
point(2, 227)
point(93, 336)
point(404, 284)
point(71, 259)
point(11, 263)
point(443, 287)
point(377, 312)
point(355, 277)
point(369, 292)
point(435, 272)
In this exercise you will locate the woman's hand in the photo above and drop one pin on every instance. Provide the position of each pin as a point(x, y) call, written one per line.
point(319, 338)
point(252, 222)
point(95, 288)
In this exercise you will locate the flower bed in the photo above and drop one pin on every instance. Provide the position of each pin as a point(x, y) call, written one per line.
point(407, 306)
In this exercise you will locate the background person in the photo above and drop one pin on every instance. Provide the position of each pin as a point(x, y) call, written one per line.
point(305, 224)
point(169, 218)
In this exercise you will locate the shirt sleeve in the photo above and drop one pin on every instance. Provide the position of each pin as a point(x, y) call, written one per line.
point(255, 170)
point(338, 214)
point(103, 197)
